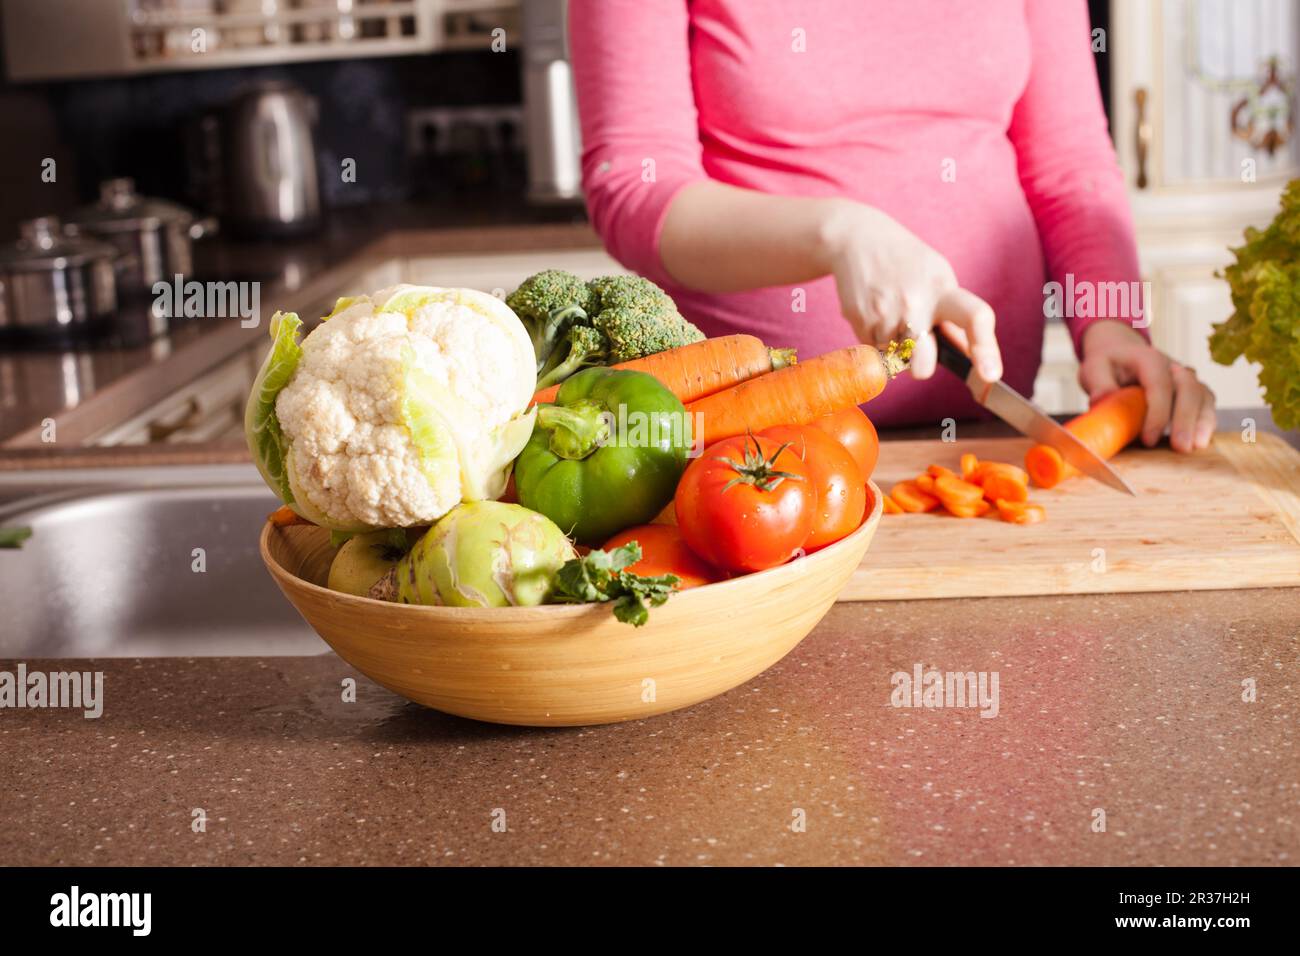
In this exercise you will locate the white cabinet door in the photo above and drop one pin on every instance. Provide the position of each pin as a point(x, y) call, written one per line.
point(1188, 302)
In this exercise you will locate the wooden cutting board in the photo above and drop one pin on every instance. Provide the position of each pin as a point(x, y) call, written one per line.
point(1227, 517)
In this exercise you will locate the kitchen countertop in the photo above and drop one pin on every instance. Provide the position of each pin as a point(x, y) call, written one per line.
point(1128, 703)
point(1131, 704)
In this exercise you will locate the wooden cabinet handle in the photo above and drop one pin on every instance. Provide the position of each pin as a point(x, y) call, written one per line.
point(1144, 135)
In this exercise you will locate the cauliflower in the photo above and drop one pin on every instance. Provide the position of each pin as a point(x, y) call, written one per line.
point(395, 409)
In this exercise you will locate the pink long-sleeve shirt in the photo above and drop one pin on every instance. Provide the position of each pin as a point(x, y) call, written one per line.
point(979, 126)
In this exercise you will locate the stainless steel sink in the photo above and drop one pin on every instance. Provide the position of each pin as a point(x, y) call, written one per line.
point(110, 569)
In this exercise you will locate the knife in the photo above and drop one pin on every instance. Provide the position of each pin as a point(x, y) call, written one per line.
point(1027, 418)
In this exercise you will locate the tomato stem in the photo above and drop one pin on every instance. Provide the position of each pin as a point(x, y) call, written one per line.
point(758, 471)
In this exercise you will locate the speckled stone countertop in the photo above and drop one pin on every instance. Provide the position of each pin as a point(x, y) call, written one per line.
point(1128, 704)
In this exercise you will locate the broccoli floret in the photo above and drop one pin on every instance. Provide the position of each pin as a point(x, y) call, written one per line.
point(574, 324)
point(548, 303)
point(639, 318)
point(586, 347)
point(634, 334)
point(630, 292)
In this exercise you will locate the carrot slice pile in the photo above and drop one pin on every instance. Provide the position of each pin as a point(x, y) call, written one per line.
point(981, 488)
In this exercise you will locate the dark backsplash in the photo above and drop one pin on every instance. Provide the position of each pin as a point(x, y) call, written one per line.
point(135, 126)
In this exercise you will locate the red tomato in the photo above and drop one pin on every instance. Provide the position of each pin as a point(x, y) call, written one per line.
point(664, 551)
point(853, 429)
point(841, 489)
point(745, 505)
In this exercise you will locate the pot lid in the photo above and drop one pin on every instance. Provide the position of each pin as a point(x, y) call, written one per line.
point(122, 209)
point(44, 245)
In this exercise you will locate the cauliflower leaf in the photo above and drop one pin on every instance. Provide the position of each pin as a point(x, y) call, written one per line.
point(261, 426)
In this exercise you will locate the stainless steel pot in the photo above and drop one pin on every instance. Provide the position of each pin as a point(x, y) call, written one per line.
point(53, 282)
point(153, 237)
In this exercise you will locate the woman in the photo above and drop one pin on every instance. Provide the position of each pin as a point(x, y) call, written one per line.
point(820, 173)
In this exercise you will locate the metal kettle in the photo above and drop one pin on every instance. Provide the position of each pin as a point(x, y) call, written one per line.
point(268, 162)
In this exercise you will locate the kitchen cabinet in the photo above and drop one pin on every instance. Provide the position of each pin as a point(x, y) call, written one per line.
point(1203, 118)
point(60, 39)
point(210, 408)
point(1202, 114)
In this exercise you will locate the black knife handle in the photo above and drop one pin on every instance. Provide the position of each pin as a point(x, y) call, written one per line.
point(951, 357)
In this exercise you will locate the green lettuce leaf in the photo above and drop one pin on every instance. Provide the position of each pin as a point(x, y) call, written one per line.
point(261, 427)
point(1265, 323)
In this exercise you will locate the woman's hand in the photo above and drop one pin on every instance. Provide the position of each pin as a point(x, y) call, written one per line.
point(893, 286)
point(1115, 355)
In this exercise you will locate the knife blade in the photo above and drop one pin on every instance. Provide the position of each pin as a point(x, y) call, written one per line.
point(1028, 419)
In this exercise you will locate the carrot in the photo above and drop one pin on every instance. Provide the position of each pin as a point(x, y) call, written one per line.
point(986, 468)
point(1020, 512)
point(1111, 423)
point(889, 506)
point(952, 491)
point(936, 470)
point(798, 394)
point(911, 498)
point(693, 371)
point(997, 485)
point(968, 465)
point(925, 483)
point(976, 510)
point(284, 516)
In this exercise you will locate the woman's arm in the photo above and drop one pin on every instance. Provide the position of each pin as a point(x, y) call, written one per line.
point(719, 238)
point(659, 214)
point(640, 137)
point(1075, 188)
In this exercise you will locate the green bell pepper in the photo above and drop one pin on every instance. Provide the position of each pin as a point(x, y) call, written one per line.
point(606, 455)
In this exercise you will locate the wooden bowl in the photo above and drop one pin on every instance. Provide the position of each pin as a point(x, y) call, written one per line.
point(567, 665)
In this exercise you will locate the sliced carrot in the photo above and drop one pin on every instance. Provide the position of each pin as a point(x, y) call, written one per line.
point(1111, 423)
point(936, 470)
point(1020, 512)
point(976, 510)
point(925, 483)
point(889, 506)
point(998, 485)
point(952, 491)
point(1046, 466)
point(968, 465)
point(911, 498)
point(799, 394)
point(985, 468)
point(284, 516)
